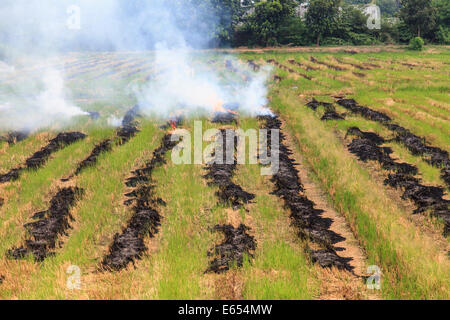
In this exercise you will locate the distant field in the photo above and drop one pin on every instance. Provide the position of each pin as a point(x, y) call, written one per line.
point(373, 215)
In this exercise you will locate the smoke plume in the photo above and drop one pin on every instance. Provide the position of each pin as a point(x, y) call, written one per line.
point(38, 35)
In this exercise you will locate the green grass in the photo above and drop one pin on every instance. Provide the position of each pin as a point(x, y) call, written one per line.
point(412, 260)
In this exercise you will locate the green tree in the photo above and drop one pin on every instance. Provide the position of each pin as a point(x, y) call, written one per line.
point(419, 15)
point(442, 30)
point(321, 17)
point(267, 18)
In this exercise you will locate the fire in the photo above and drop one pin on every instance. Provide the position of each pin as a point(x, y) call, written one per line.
point(173, 124)
point(218, 108)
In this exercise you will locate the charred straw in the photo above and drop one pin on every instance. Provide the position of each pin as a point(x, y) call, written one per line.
point(129, 245)
point(129, 126)
point(290, 70)
point(221, 169)
point(337, 68)
point(426, 198)
point(305, 217)
point(124, 134)
point(14, 137)
point(38, 159)
point(236, 245)
point(353, 106)
point(49, 225)
point(415, 144)
point(330, 111)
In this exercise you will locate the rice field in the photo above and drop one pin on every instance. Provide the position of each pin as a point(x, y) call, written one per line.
point(359, 208)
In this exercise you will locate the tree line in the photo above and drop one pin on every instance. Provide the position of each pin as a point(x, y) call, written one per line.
point(330, 22)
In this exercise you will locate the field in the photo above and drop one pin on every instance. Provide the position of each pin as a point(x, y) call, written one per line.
point(366, 187)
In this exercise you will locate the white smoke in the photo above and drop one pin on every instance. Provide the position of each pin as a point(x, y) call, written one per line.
point(47, 106)
point(36, 30)
point(186, 82)
point(185, 86)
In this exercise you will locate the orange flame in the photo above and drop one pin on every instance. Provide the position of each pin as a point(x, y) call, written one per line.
point(173, 124)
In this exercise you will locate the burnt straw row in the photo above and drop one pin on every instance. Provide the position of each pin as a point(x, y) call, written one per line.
point(49, 225)
point(286, 68)
point(55, 221)
point(124, 133)
point(426, 198)
point(129, 245)
point(415, 144)
point(220, 171)
point(38, 159)
point(236, 246)
point(237, 243)
point(330, 111)
point(305, 217)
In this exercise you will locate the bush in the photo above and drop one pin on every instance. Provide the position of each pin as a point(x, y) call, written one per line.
point(416, 44)
point(361, 39)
